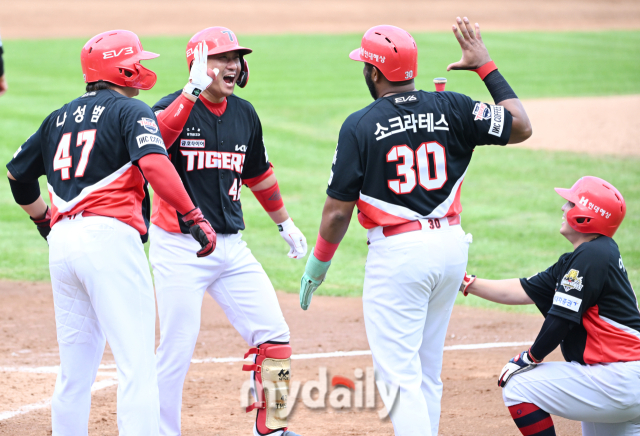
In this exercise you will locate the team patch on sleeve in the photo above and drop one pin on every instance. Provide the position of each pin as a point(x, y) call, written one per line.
point(572, 281)
point(497, 120)
point(567, 301)
point(481, 111)
point(147, 139)
point(149, 124)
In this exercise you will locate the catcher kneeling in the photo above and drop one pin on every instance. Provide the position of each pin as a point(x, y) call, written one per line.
point(591, 311)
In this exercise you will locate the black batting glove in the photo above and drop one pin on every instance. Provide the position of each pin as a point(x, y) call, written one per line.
point(43, 224)
point(201, 231)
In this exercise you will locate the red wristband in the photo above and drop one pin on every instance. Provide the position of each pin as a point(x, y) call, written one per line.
point(484, 70)
point(270, 198)
point(324, 250)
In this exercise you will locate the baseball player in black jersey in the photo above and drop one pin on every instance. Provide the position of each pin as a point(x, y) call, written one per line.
point(93, 151)
point(591, 311)
point(401, 161)
point(215, 143)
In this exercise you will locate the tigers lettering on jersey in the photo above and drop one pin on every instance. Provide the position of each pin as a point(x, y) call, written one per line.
point(212, 156)
point(198, 160)
point(87, 150)
point(404, 157)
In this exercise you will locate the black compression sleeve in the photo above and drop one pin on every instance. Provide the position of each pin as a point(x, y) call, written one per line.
point(24, 193)
point(553, 331)
point(498, 87)
point(1, 62)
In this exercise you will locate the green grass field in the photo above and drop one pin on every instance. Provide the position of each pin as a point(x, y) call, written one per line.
point(304, 87)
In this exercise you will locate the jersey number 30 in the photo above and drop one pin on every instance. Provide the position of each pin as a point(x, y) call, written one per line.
point(62, 159)
point(432, 167)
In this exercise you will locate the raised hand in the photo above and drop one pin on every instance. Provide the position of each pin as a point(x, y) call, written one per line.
point(474, 52)
point(200, 76)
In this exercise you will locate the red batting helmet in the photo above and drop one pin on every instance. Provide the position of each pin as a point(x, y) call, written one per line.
point(220, 40)
point(599, 206)
point(115, 57)
point(392, 50)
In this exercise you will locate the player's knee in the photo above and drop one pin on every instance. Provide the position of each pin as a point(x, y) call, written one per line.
point(277, 333)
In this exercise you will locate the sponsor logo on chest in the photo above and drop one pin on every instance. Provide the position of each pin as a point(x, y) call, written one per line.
point(242, 148)
point(192, 143)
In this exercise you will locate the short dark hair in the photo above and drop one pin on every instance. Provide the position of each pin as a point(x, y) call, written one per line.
point(98, 86)
point(404, 82)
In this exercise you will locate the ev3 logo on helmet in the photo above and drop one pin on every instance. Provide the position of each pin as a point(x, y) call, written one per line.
point(114, 54)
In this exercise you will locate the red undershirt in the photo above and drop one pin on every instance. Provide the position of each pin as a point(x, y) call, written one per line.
point(216, 108)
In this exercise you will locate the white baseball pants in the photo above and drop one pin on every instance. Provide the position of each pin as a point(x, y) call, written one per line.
point(605, 397)
point(411, 282)
point(102, 291)
point(233, 277)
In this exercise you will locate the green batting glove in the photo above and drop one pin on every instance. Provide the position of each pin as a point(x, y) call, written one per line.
point(314, 274)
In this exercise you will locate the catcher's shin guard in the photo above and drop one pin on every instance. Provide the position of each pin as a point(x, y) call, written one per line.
point(271, 374)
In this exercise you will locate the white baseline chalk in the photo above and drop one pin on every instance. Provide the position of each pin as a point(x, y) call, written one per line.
point(102, 384)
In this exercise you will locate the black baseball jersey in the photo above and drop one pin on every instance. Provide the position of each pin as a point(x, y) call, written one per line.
point(88, 149)
point(404, 157)
point(590, 287)
point(213, 155)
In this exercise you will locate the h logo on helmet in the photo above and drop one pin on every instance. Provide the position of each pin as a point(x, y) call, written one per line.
point(229, 33)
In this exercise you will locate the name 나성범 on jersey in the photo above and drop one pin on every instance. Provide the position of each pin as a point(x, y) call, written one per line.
point(409, 122)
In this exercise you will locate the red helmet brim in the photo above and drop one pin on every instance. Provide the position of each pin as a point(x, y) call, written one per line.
point(226, 49)
point(146, 55)
point(567, 194)
point(355, 55)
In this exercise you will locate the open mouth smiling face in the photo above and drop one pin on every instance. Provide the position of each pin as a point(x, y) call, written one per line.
point(229, 66)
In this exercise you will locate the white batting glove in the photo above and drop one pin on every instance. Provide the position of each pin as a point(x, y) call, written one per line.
point(294, 238)
point(521, 363)
point(466, 282)
point(200, 77)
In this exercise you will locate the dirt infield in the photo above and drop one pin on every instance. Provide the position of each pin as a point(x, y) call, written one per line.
point(472, 403)
point(568, 124)
point(64, 18)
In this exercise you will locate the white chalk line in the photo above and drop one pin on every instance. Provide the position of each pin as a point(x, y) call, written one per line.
point(46, 403)
point(102, 384)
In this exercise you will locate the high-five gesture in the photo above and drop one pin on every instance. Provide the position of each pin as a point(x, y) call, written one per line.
point(474, 53)
point(200, 76)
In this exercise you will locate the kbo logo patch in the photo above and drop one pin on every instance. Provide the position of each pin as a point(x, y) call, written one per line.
point(149, 124)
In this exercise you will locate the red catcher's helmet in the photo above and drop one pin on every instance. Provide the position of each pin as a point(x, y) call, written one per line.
point(220, 40)
point(599, 206)
point(115, 57)
point(392, 50)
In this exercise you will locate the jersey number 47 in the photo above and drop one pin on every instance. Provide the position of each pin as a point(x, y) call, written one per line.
point(62, 161)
